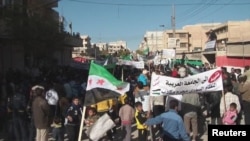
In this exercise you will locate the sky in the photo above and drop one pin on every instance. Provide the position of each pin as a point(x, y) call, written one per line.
point(128, 20)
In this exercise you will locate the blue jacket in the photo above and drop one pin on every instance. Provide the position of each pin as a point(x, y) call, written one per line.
point(143, 79)
point(172, 124)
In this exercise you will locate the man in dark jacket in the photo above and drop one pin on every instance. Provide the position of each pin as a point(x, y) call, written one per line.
point(73, 117)
point(41, 110)
point(17, 105)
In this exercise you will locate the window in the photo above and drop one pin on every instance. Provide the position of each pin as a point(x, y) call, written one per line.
point(197, 48)
point(170, 35)
point(182, 35)
point(183, 45)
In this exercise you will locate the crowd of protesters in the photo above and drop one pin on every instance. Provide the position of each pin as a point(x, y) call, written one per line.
point(36, 101)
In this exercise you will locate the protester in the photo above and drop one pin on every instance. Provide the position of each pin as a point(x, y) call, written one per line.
point(140, 117)
point(211, 36)
point(126, 114)
point(244, 89)
point(17, 106)
point(230, 116)
point(228, 98)
point(73, 117)
point(40, 110)
point(143, 77)
point(190, 108)
point(246, 73)
point(173, 126)
point(140, 92)
point(92, 117)
point(57, 129)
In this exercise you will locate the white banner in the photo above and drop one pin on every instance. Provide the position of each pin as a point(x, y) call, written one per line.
point(100, 127)
point(202, 82)
point(136, 64)
point(210, 44)
point(168, 53)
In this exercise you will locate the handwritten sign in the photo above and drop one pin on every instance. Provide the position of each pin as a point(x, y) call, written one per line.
point(136, 64)
point(202, 82)
point(168, 53)
point(210, 44)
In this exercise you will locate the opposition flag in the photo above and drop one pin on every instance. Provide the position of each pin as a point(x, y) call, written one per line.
point(102, 85)
point(146, 51)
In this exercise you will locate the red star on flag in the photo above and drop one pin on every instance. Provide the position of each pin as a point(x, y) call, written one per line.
point(100, 81)
point(90, 81)
point(119, 88)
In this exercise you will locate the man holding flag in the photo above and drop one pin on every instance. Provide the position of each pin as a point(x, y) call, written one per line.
point(101, 85)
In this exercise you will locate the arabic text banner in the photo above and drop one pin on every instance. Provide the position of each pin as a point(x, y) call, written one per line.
point(202, 82)
point(136, 64)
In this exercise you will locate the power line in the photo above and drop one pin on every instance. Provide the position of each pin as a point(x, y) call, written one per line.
point(215, 11)
point(156, 5)
point(200, 10)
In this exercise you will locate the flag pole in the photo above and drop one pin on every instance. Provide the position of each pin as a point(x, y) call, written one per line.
point(81, 125)
point(224, 99)
point(122, 75)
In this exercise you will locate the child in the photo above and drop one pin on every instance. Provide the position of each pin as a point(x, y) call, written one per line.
point(57, 129)
point(91, 118)
point(231, 115)
point(140, 92)
point(140, 117)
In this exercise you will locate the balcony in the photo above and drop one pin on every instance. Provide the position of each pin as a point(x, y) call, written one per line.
point(222, 36)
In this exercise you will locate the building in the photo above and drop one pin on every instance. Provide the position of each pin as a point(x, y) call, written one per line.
point(102, 46)
point(152, 40)
point(232, 45)
point(81, 51)
point(116, 46)
point(197, 35)
point(17, 53)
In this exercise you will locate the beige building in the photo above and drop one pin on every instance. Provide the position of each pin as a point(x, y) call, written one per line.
point(153, 40)
point(102, 46)
point(232, 46)
point(181, 40)
point(198, 37)
point(86, 43)
point(116, 46)
point(232, 32)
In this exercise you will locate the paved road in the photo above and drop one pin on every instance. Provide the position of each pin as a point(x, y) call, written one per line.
point(203, 137)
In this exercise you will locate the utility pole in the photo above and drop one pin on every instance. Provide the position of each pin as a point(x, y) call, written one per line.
point(173, 27)
point(173, 20)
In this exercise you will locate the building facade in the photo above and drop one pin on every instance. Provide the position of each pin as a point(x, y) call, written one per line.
point(116, 46)
point(232, 44)
point(15, 54)
point(152, 40)
point(81, 51)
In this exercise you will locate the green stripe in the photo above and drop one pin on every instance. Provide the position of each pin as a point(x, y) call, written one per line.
point(102, 72)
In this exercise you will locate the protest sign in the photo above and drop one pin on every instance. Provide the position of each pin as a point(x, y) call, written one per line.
point(136, 64)
point(100, 127)
point(210, 44)
point(203, 82)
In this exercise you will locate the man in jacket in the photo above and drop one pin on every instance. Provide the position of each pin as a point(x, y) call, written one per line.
point(40, 110)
